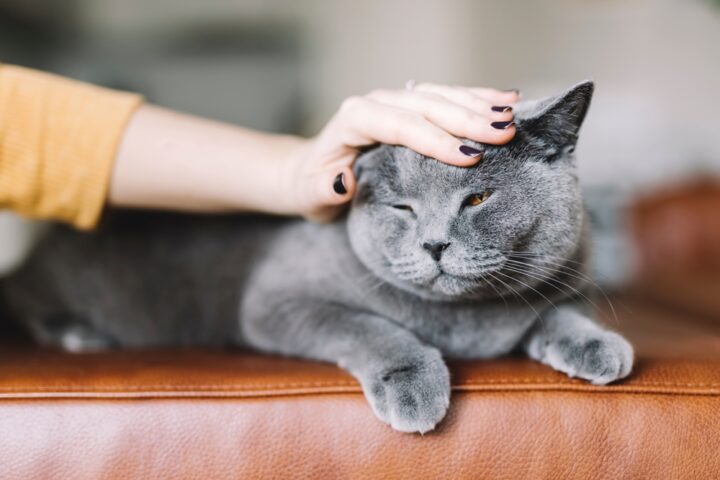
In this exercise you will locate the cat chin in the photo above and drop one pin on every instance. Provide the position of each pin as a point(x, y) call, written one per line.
point(439, 285)
point(444, 287)
point(455, 287)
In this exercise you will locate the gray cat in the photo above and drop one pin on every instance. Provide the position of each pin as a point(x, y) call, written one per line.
point(431, 261)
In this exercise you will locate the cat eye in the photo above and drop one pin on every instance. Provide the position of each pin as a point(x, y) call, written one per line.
point(476, 199)
point(403, 207)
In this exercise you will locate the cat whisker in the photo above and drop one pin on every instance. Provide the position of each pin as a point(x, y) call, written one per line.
point(557, 270)
point(413, 276)
point(499, 293)
point(519, 295)
point(484, 254)
point(404, 263)
point(483, 264)
point(547, 281)
point(530, 287)
point(474, 273)
point(572, 272)
point(368, 283)
point(542, 256)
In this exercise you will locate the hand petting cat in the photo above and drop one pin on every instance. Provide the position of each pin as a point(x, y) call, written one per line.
point(425, 117)
point(157, 164)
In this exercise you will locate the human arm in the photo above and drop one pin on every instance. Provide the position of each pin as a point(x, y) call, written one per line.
point(175, 161)
point(68, 148)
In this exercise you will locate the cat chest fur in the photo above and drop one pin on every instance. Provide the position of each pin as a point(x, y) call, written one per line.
point(313, 264)
point(464, 330)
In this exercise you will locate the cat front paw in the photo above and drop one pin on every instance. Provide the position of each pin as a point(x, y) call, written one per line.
point(412, 396)
point(600, 357)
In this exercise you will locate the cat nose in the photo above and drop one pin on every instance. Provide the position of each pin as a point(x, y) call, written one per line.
point(435, 249)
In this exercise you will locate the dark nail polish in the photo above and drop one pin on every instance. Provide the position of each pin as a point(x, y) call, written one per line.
point(339, 184)
point(469, 151)
point(502, 125)
point(502, 108)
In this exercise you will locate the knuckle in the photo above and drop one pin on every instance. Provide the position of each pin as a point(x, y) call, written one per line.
point(440, 140)
point(402, 126)
point(378, 93)
point(406, 118)
point(433, 97)
point(352, 103)
point(469, 118)
point(426, 86)
point(459, 92)
point(478, 103)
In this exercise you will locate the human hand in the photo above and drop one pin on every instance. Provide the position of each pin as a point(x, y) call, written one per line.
point(426, 118)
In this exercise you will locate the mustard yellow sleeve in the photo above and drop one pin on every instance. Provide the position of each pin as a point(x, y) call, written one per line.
point(58, 141)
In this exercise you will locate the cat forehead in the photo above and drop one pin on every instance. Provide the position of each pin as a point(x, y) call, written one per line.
point(402, 169)
point(540, 139)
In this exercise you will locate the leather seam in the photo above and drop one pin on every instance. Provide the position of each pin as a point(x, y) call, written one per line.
point(171, 388)
point(280, 386)
point(165, 395)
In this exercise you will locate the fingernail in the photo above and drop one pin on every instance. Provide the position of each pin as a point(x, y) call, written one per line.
point(502, 108)
point(513, 90)
point(339, 184)
point(469, 151)
point(502, 125)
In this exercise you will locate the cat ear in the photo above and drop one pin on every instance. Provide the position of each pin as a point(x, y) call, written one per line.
point(557, 120)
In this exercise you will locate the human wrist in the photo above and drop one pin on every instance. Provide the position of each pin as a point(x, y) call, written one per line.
point(268, 184)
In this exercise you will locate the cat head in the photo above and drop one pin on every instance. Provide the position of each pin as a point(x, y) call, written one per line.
point(450, 233)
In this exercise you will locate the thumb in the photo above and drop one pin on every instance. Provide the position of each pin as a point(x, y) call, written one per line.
point(336, 187)
point(332, 189)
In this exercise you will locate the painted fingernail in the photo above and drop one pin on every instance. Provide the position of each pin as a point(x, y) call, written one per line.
point(339, 184)
point(469, 151)
point(502, 125)
point(502, 108)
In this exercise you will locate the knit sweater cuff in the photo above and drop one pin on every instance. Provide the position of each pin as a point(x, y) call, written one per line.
point(58, 141)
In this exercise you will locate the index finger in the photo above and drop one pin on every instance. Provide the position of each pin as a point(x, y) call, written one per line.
point(367, 122)
point(493, 95)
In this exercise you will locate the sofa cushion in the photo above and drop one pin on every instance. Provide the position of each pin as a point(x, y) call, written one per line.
point(230, 414)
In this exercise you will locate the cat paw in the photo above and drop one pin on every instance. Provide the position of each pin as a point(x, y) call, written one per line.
point(73, 334)
point(412, 396)
point(599, 357)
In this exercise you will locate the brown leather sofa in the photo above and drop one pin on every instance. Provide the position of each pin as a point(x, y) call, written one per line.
point(212, 414)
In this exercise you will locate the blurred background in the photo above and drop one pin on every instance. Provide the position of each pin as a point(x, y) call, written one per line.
point(649, 152)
